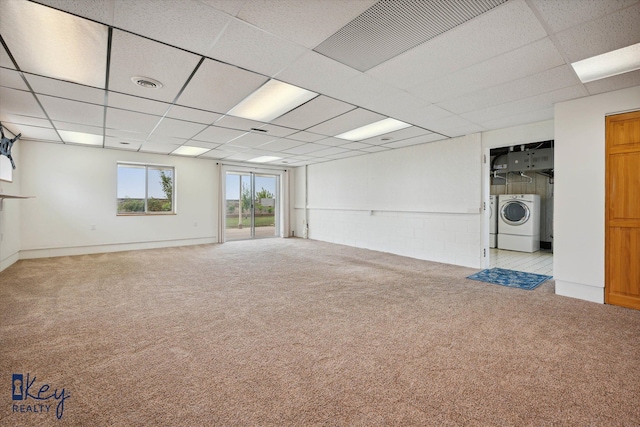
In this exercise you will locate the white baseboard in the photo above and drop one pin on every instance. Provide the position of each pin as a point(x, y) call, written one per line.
point(580, 291)
point(112, 247)
point(9, 261)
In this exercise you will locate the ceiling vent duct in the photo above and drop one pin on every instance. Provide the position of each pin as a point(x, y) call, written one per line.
point(391, 27)
point(531, 160)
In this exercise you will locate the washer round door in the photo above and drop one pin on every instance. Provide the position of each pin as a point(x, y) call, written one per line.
point(515, 213)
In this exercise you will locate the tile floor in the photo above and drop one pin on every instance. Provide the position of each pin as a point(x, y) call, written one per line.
point(540, 262)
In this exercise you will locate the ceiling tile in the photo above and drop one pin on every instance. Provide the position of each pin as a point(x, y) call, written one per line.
point(332, 142)
point(34, 132)
point(306, 136)
point(614, 31)
point(65, 110)
point(126, 135)
point(328, 152)
point(345, 155)
point(97, 130)
point(159, 139)
point(218, 135)
point(519, 119)
point(12, 79)
point(192, 115)
point(130, 121)
point(241, 157)
point(525, 61)
point(122, 144)
point(13, 101)
point(218, 154)
point(251, 140)
point(375, 148)
point(25, 120)
point(157, 147)
point(238, 123)
point(355, 146)
point(187, 24)
point(178, 128)
point(534, 103)
point(133, 56)
point(414, 141)
point(278, 131)
point(562, 14)
point(317, 73)
point(202, 144)
point(425, 117)
point(233, 148)
point(448, 124)
point(55, 44)
point(281, 145)
point(392, 102)
point(68, 90)
point(97, 10)
point(304, 22)
point(350, 120)
point(614, 83)
point(306, 148)
point(398, 135)
point(316, 111)
point(135, 103)
point(545, 81)
point(232, 7)
point(500, 30)
point(219, 87)
point(249, 47)
point(5, 61)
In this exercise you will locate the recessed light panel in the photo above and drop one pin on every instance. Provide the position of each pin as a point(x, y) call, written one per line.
point(187, 150)
point(55, 44)
point(264, 159)
point(271, 100)
point(80, 138)
point(374, 129)
point(608, 64)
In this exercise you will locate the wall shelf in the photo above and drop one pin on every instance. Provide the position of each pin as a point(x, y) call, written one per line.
point(11, 196)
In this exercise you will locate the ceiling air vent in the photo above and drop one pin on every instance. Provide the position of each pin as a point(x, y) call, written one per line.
point(146, 82)
point(391, 27)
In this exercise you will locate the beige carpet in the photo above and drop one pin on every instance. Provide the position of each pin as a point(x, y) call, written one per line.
point(295, 332)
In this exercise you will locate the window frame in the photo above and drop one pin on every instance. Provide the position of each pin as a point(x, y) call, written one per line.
point(146, 167)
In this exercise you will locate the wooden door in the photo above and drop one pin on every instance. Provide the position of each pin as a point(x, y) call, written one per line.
point(622, 241)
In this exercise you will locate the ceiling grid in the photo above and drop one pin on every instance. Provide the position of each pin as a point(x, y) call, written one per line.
point(443, 69)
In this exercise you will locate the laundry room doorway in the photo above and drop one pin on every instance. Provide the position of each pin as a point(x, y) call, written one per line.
point(521, 197)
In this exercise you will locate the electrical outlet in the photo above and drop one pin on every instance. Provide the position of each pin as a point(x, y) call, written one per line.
point(195, 224)
point(93, 226)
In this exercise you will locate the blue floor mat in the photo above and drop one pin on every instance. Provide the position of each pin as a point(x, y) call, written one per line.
point(510, 278)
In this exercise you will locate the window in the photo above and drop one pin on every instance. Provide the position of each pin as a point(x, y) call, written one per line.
point(145, 189)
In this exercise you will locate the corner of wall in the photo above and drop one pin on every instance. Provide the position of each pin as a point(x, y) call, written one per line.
point(10, 216)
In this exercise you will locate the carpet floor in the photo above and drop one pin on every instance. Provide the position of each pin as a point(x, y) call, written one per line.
point(283, 332)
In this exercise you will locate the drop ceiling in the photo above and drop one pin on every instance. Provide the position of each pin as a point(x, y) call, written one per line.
point(66, 70)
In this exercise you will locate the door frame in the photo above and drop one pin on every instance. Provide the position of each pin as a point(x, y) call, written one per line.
point(282, 191)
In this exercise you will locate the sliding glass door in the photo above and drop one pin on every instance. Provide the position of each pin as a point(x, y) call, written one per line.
point(251, 205)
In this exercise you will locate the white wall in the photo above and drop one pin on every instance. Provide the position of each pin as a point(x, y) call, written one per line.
point(75, 189)
point(579, 253)
point(421, 201)
point(11, 212)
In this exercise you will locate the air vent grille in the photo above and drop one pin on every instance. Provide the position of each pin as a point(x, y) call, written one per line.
point(391, 27)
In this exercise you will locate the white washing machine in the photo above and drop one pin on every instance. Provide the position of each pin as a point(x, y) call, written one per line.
point(519, 222)
point(493, 221)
